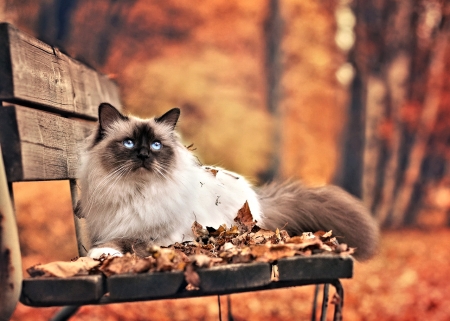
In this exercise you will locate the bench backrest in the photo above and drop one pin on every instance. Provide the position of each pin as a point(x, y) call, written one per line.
point(48, 107)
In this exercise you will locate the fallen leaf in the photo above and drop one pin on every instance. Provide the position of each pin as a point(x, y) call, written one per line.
point(201, 260)
point(126, 264)
point(81, 266)
point(244, 215)
point(213, 232)
point(273, 252)
point(244, 219)
point(263, 236)
point(191, 276)
point(165, 259)
point(199, 231)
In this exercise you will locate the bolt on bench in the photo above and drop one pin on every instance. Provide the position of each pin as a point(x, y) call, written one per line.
point(48, 107)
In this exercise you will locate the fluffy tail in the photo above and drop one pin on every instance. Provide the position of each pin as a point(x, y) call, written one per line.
point(301, 209)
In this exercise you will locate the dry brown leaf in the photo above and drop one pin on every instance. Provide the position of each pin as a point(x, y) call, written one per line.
point(201, 260)
point(204, 261)
point(128, 263)
point(233, 231)
point(316, 243)
point(198, 230)
point(270, 253)
point(81, 266)
point(263, 236)
point(284, 236)
point(327, 234)
point(244, 219)
point(244, 215)
point(191, 276)
point(165, 259)
point(296, 240)
point(215, 233)
point(143, 265)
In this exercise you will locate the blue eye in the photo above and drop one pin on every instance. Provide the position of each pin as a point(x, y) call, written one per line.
point(156, 145)
point(128, 143)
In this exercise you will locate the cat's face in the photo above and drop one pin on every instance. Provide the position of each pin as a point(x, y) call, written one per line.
point(129, 145)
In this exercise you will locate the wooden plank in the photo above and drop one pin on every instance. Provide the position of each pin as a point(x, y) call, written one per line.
point(39, 145)
point(231, 278)
point(317, 267)
point(234, 277)
point(81, 229)
point(35, 74)
point(45, 292)
point(130, 287)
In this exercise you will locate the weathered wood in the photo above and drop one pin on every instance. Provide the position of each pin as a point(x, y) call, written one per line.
point(36, 74)
point(317, 267)
point(234, 277)
point(39, 145)
point(62, 291)
point(81, 230)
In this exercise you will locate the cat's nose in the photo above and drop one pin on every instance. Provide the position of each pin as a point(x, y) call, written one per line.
point(143, 153)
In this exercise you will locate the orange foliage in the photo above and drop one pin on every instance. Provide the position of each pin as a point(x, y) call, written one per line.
point(45, 220)
point(313, 105)
point(410, 114)
point(204, 66)
point(210, 60)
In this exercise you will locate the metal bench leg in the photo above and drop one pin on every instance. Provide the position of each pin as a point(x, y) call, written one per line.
point(338, 300)
point(230, 315)
point(326, 290)
point(65, 313)
point(316, 294)
point(323, 314)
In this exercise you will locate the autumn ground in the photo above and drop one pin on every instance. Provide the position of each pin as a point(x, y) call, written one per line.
point(408, 280)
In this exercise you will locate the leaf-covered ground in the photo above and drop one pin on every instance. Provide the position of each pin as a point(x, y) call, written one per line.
point(407, 281)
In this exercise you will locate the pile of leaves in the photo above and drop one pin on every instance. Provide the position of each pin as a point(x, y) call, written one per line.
point(244, 242)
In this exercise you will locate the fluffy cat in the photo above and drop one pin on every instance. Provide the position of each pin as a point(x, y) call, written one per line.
point(139, 182)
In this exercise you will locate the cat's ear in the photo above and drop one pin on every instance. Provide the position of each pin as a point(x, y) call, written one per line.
point(170, 118)
point(107, 114)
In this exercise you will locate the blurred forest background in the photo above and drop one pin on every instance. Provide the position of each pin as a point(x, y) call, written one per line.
point(350, 92)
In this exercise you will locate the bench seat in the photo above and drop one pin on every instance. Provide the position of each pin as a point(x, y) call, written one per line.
point(218, 280)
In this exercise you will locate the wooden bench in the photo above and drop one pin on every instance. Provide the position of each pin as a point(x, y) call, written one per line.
point(48, 107)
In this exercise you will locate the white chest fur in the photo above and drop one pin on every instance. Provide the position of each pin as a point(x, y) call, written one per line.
point(164, 211)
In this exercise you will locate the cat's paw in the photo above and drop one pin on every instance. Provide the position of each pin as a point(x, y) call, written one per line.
point(97, 252)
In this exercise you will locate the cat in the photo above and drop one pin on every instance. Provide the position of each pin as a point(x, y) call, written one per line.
point(139, 182)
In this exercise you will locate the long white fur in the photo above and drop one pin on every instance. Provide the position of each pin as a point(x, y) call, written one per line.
point(159, 208)
point(97, 252)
